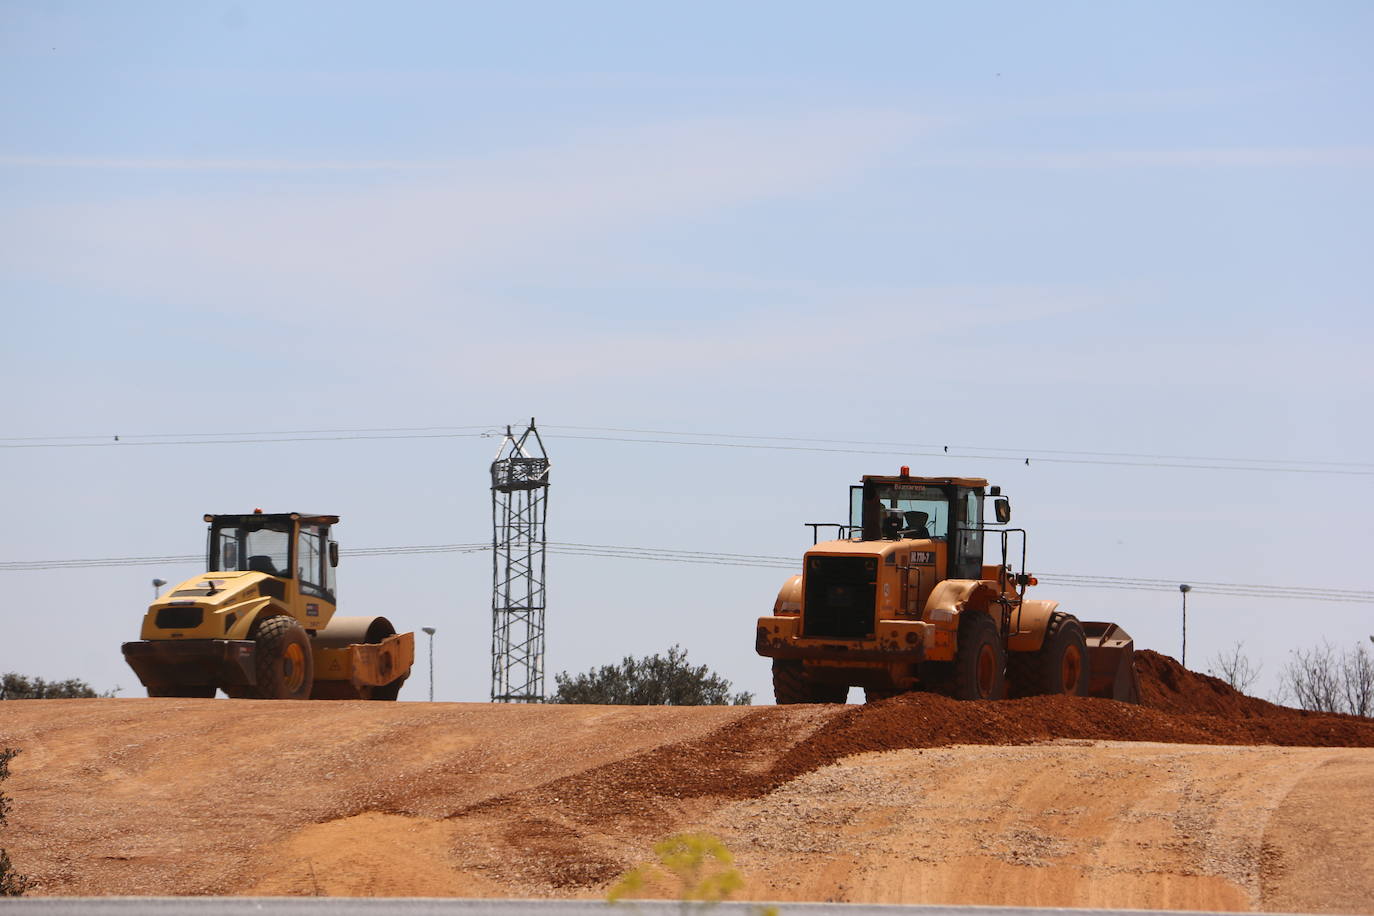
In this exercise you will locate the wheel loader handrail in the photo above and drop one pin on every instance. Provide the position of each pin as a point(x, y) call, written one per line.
point(1020, 576)
point(843, 530)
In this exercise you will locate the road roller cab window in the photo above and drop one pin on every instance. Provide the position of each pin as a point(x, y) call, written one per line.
point(312, 561)
point(260, 546)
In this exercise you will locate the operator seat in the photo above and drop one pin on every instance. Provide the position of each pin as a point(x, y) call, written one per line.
point(916, 525)
point(263, 564)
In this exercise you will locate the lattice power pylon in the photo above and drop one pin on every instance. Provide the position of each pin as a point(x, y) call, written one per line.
point(519, 508)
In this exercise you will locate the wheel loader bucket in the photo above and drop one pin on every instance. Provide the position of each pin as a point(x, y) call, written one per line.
point(1111, 657)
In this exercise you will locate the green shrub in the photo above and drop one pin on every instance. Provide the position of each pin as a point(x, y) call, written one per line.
point(694, 868)
point(649, 681)
point(18, 687)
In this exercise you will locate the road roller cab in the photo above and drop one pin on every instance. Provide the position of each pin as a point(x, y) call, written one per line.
point(261, 622)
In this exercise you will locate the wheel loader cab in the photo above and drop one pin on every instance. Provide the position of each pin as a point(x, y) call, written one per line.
point(894, 509)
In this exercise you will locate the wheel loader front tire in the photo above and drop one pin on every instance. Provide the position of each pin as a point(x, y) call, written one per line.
point(980, 663)
point(1060, 667)
point(285, 666)
point(791, 685)
point(1064, 658)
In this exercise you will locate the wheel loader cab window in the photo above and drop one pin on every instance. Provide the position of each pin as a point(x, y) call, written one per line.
point(263, 547)
point(907, 512)
point(968, 548)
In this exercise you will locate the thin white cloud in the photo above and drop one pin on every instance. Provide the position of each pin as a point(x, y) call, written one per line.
point(99, 163)
point(779, 340)
point(1221, 157)
point(408, 239)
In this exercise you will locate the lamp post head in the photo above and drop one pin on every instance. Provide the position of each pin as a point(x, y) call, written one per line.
point(428, 630)
point(1185, 588)
point(158, 583)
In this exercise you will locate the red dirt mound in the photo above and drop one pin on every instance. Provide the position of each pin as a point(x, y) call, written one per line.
point(1167, 685)
point(1178, 706)
point(927, 720)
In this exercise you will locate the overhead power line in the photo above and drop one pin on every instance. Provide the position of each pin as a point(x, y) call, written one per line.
point(180, 559)
point(1017, 457)
point(760, 561)
point(1010, 452)
point(718, 440)
point(107, 437)
point(1348, 596)
point(118, 441)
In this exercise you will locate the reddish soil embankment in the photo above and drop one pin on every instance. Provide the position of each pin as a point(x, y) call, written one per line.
point(1178, 706)
point(1200, 798)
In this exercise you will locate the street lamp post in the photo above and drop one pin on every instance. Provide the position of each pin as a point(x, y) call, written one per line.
point(1184, 590)
point(157, 584)
point(429, 631)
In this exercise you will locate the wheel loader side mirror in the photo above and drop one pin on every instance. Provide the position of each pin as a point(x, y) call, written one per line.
point(1002, 509)
point(333, 553)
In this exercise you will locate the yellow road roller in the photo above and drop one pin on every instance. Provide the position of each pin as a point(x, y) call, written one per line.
point(260, 622)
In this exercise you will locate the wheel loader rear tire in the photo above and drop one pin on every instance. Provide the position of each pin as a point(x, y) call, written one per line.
point(199, 692)
point(791, 685)
point(980, 662)
point(285, 666)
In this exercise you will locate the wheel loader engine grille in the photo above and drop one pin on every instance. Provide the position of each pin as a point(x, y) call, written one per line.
point(179, 618)
point(840, 594)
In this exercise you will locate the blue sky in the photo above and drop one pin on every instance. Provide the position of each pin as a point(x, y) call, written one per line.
point(1097, 227)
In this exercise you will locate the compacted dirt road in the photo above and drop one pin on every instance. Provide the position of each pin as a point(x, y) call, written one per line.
point(1200, 799)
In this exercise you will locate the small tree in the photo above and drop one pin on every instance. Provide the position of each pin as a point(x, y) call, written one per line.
point(1325, 680)
point(18, 687)
point(650, 681)
point(1357, 681)
point(1235, 668)
point(12, 884)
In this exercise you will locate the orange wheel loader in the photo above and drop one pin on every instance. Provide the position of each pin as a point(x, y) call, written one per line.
point(903, 599)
